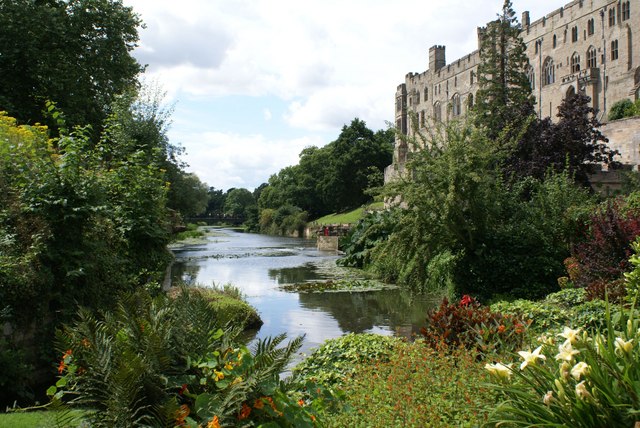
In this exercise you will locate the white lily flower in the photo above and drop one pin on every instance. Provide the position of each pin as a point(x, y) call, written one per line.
point(580, 370)
point(570, 334)
point(566, 352)
point(531, 357)
point(623, 346)
point(500, 370)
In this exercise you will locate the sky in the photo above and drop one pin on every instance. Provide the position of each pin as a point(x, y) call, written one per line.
point(253, 82)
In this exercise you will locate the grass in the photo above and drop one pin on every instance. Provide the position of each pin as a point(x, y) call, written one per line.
point(39, 419)
point(349, 217)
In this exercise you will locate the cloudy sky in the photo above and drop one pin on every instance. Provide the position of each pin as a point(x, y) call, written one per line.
point(253, 82)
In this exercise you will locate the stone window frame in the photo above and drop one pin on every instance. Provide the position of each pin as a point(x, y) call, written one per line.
point(612, 17)
point(426, 93)
point(437, 111)
point(614, 50)
point(626, 10)
point(531, 75)
point(592, 57)
point(575, 62)
point(456, 105)
point(549, 72)
point(555, 41)
point(574, 34)
point(591, 27)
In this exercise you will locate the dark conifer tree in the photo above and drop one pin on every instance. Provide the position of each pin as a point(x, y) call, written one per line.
point(504, 100)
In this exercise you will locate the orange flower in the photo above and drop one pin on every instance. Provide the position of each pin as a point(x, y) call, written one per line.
point(66, 357)
point(182, 414)
point(301, 402)
point(62, 366)
point(214, 423)
point(244, 412)
point(259, 404)
point(501, 328)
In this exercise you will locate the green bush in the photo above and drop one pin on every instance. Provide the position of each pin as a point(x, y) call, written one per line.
point(416, 387)
point(623, 108)
point(335, 360)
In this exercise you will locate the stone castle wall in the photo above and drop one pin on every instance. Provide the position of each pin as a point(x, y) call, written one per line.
point(591, 46)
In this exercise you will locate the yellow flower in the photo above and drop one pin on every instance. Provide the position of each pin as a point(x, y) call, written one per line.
point(214, 423)
point(218, 375)
point(228, 366)
point(566, 352)
point(580, 370)
point(623, 346)
point(570, 334)
point(499, 370)
point(531, 357)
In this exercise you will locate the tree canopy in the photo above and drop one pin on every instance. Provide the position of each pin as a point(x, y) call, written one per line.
point(76, 53)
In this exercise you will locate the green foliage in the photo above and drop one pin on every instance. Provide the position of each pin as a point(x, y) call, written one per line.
point(240, 204)
point(76, 53)
point(371, 230)
point(416, 387)
point(568, 306)
point(624, 108)
point(42, 419)
point(587, 380)
point(466, 229)
point(504, 101)
point(164, 361)
point(333, 178)
point(286, 220)
point(470, 325)
point(335, 361)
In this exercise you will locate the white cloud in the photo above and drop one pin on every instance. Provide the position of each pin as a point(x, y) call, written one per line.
point(225, 160)
point(267, 114)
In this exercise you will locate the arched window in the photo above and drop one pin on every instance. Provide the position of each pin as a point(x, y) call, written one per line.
point(575, 62)
point(470, 101)
point(614, 50)
point(455, 105)
point(426, 93)
point(549, 75)
point(437, 112)
point(531, 75)
point(592, 61)
point(555, 41)
point(574, 34)
point(571, 92)
point(591, 27)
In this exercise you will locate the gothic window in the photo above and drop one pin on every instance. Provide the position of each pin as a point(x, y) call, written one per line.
point(571, 92)
point(417, 97)
point(575, 62)
point(591, 57)
point(591, 27)
point(574, 34)
point(549, 75)
point(398, 104)
point(614, 50)
point(471, 75)
point(532, 77)
point(455, 82)
point(555, 41)
point(437, 112)
point(455, 105)
point(470, 101)
point(426, 93)
point(612, 17)
point(626, 10)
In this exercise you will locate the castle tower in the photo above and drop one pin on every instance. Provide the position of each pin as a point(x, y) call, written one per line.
point(437, 59)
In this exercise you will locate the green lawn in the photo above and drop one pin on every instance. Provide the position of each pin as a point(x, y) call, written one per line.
point(349, 217)
point(40, 419)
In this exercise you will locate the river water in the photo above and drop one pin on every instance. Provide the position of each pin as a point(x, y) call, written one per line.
point(260, 264)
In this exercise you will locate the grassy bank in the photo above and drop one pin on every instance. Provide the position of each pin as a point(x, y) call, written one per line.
point(349, 217)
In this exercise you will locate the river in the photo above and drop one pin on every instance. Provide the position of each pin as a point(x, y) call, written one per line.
point(260, 264)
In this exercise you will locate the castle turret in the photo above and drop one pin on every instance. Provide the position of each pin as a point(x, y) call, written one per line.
point(437, 58)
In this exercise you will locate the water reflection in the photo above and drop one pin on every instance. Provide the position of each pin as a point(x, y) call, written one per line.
point(258, 265)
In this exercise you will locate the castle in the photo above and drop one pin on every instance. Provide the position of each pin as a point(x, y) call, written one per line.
point(586, 46)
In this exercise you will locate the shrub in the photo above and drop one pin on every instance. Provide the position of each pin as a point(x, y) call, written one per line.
point(471, 325)
point(372, 229)
point(335, 361)
point(416, 387)
point(623, 108)
point(580, 380)
point(166, 362)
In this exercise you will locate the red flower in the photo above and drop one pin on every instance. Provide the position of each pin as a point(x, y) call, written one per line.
point(466, 300)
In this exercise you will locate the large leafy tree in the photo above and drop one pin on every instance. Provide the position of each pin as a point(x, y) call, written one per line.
point(74, 52)
point(504, 100)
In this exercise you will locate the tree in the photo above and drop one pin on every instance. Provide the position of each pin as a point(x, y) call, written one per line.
point(76, 53)
point(504, 100)
point(574, 144)
point(239, 204)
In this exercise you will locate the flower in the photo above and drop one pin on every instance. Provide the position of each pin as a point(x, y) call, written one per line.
point(182, 413)
point(531, 357)
point(66, 358)
point(301, 402)
point(218, 375)
point(548, 398)
point(214, 423)
point(566, 352)
point(581, 391)
point(183, 388)
point(579, 370)
point(501, 328)
point(244, 412)
point(228, 366)
point(570, 334)
point(500, 370)
point(466, 300)
point(258, 404)
point(565, 370)
point(623, 346)
point(545, 340)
